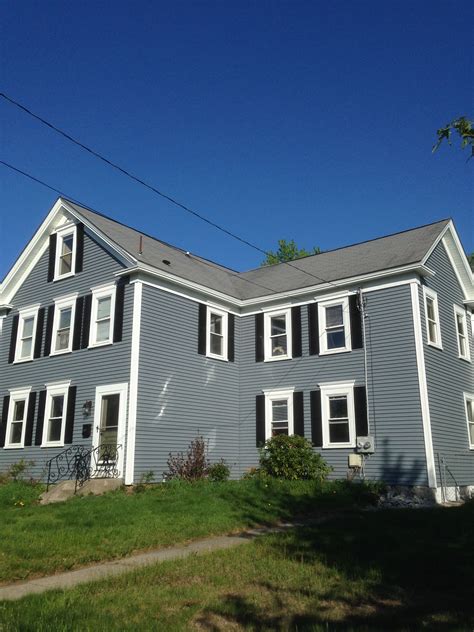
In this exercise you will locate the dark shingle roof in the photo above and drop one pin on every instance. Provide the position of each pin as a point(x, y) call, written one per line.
point(408, 247)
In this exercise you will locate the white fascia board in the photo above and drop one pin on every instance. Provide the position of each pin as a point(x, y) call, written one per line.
point(38, 244)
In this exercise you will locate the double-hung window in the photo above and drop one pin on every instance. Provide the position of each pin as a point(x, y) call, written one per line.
point(66, 245)
point(279, 413)
point(338, 415)
point(63, 324)
point(277, 327)
point(217, 333)
point(334, 325)
point(25, 342)
point(55, 414)
point(461, 333)
point(469, 404)
point(433, 330)
point(102, 316)
point(16, 421)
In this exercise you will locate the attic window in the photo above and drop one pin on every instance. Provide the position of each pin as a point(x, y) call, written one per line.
point(65, 253)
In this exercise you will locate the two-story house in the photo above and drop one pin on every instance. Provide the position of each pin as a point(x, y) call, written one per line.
point(111, 337)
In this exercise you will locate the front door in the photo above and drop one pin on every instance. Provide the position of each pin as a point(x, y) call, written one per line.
point(109, 430)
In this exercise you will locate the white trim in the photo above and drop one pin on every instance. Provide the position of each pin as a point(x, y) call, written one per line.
point(270, 397)
point(428, 293)
point(65, 302)
point(267, 318)
point(329, 389)
point(23, 314)
point(469, 397)
point(62, 233)
point(103, 291)
point(346, 321)
point(461, 311)
point(16, 395)
point(133, 394)
point(225, 333)
point(424, 401)
point(61, 388)
point(120, 389)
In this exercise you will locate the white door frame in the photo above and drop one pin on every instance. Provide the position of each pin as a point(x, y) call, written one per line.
point(112, 389)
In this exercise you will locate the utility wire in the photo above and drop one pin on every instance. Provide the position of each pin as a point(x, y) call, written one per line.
point(149, 186)
point(87, 206)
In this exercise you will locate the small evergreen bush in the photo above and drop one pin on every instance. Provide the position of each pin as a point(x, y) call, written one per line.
point(292, 458)
point(218, 472)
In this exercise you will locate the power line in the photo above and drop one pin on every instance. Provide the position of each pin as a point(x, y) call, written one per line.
point(87, 206)
point(152, 188)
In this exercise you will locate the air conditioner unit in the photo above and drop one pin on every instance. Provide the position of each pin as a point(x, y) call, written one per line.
point(365, 445)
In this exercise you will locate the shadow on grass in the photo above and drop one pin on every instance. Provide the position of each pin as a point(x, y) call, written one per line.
point(389, 570)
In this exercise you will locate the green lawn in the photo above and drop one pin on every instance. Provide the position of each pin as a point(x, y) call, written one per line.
point(388, 570)
point(39, 540)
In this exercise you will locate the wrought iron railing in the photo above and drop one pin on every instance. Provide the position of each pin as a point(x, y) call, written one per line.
point(82, 463)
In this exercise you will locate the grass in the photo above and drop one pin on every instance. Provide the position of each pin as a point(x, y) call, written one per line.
point(40, 540)
point(388, 570)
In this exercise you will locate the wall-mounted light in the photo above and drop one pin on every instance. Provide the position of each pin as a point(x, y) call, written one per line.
point(87, 407)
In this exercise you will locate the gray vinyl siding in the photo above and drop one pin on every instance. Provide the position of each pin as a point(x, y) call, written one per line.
point(393, 390)
point(448, 376)
point(86, 368)
point(182, 394)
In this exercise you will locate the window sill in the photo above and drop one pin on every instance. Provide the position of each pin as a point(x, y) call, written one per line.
point(216, 357)
point(435, 346)
point(338, 446)
point(335, 351)
point(106, 343)
point(58, 353)
point(13, 447)
point(22, 361)
point(64, 276)
point(52, 445)
point(465, 358)
point(278, 359)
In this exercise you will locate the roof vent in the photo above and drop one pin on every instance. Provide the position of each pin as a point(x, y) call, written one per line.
point(166, 262)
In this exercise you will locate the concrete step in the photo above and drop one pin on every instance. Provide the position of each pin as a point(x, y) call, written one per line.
point(65, 489)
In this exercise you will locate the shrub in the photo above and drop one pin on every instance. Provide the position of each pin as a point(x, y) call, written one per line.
point(190, 467)
point(292, 458)
point(16, 471)
point(145, 479)
point(218, 472)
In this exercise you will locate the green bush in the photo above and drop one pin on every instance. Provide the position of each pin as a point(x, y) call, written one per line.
point(218, 472)
point(292, 458)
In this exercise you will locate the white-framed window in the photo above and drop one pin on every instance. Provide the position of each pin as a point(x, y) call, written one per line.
point(217, 325)
point(279, 413)
point(26, 336)
point(277, 333)
point(334, 325)
point(16, 420)
point(433, 329)
point(54, 424)
point(63, 324)
point(469, 404)
point(338, 415)
point(102, 316)
point(461, 332)
point(66, 244)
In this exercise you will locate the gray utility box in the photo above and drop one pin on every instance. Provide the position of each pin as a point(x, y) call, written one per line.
point(365, 445)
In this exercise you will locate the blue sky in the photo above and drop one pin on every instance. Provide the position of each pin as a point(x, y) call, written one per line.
point(304, 120)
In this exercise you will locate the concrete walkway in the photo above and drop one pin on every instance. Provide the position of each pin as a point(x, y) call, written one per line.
point(104, 570)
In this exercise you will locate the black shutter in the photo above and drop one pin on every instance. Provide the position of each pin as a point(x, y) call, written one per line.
point(40, 418)
point(360, 405)
point(76, 335)
point(13, 336)
point(86, 321)
point(39, 334)
point(79, 248)
point(49, 331)
point(119, 307)
point(231, 338)
point(316, 419)
point(356, 322)
point(52, 256)
point(259, 341)
point(3, 421)
point(260, 419)
point(71, 407)
point(298, 413)
point(202, 317)
point(296, 332)
point(313, 326)
point(30, 415)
